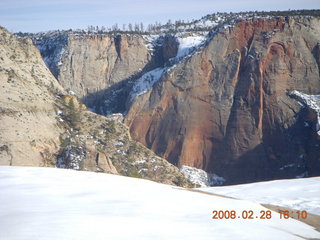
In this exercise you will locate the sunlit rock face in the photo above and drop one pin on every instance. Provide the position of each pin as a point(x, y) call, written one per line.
point(226, 110)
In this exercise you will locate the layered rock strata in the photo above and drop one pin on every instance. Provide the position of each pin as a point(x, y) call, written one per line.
point(225, 109)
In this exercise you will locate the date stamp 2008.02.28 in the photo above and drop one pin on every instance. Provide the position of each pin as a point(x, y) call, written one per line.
point(263, 214)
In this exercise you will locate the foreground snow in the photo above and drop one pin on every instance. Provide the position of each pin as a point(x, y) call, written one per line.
point(40, 203)
point(300, 194)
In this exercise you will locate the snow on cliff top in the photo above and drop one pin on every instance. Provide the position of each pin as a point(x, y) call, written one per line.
point(44, 203)
point(300, 194)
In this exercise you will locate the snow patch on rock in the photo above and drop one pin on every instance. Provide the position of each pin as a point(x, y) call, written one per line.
point(311, 101)
point(200, 177)
point(144, 83)
point(188, 44)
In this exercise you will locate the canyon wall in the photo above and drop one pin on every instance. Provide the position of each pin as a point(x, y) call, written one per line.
point(222, 107)
point(95, 66)
point(226, 109)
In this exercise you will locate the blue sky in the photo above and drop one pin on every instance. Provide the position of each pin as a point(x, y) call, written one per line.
point(43, 15)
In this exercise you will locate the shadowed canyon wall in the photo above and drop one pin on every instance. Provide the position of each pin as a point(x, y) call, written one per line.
point(224, 109)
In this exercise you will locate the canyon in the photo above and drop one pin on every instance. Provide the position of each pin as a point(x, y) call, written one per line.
point(215, 100)
point(43, 125)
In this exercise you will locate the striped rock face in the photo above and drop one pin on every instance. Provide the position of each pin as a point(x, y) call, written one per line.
point(225, 109)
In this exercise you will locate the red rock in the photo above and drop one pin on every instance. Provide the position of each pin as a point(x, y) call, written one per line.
point(226, 110)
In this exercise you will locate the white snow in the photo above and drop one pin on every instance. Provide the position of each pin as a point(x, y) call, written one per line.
point(206, 23)
point(300, 194)
point(151, 41)
point(139, 161)
point(51, 204)
point(312, 101)
point(144, 83)
point(72, 93)
point(200, 177)
point(189, 44)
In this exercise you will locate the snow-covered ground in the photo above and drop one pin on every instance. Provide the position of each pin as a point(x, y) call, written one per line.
point(43, 203)
point(300, 194)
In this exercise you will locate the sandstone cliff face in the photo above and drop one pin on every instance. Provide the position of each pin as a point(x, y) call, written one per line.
point(28, 132)
point(226, 108)
point(90, 64)
point(93, 63)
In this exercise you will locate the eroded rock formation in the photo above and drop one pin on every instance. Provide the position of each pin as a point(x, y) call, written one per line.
point(226, 109)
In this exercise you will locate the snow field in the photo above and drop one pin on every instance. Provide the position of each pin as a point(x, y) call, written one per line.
point(299, 194)
point(44, 203)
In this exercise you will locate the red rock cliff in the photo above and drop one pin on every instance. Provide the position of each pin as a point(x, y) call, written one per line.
point(225, 109)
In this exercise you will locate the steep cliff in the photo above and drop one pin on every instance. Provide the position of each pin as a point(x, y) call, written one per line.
point(97, 67)
point(225, 108)
point(41, 125)
point(28, 129)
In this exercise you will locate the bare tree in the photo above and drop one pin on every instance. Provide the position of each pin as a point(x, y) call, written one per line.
point(115, 27)
point(150, 28)
point(136, 27)
point(130, 27)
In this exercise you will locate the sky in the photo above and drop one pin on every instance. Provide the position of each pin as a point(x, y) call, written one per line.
point(43, 15)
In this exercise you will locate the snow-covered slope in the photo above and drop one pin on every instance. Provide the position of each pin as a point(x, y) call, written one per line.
point(300, 194)
point(39, 203)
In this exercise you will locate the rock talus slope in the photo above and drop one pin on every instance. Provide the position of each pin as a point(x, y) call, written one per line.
point(226, 109)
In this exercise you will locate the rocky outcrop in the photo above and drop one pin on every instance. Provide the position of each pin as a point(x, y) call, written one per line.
point(168, 47)
point(311, 118)
point(226, 110)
